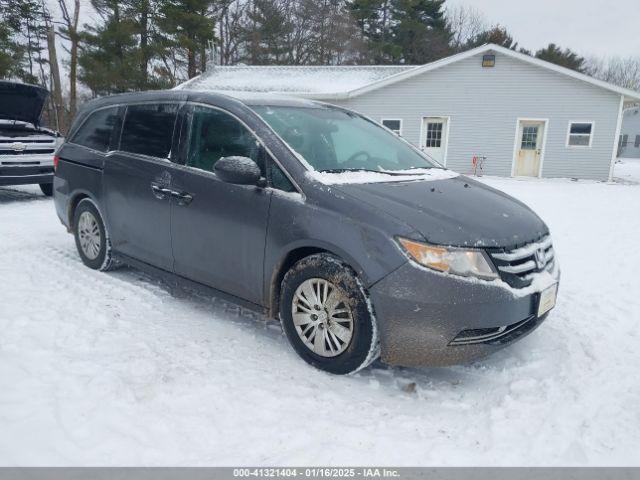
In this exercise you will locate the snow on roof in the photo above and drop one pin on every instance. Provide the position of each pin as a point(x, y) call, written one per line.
point(292, 79)
point(341, 82)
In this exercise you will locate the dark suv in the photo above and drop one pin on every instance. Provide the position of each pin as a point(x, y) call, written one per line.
point(313, 214)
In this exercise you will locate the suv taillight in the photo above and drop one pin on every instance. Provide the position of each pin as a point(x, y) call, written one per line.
point(55, 162)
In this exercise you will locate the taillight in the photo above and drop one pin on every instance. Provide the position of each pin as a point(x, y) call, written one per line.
point(55, 162)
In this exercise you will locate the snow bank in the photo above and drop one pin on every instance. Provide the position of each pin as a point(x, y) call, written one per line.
point(116, 368)
point(627, 170)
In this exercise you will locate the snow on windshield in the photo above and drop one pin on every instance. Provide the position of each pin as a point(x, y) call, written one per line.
point(355, 176)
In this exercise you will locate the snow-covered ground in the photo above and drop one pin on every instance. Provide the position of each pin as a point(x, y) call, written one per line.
point(116, 369)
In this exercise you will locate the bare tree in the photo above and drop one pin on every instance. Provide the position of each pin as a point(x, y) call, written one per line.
point(466, 22)
point(55, 78)
point(621, 71)
point(70, 32)
point(230, 25)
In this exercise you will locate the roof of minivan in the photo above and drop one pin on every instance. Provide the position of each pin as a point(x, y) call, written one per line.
point(217, 98)
point(228, 100)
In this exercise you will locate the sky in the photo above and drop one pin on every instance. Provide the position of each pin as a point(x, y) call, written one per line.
point(590, 27)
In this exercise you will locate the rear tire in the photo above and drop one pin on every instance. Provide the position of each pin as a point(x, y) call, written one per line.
point(335, 328)
point(92, 239)
point(47, 189)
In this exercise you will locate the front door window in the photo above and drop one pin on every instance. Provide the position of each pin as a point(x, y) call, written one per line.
point(434, 135)
point(529, 137)
point(216, 134)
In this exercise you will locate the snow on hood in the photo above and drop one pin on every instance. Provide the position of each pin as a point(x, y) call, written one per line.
point(359, 176)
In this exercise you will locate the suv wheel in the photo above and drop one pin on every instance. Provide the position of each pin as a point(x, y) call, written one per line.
point(92, 240)
point(47, 189)
point(326, 315)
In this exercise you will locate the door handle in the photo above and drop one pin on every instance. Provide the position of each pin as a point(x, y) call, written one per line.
point(183, 198)
point(159, 192)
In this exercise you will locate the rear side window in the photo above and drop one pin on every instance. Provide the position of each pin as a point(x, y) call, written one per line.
point(95, 132)
point(148, 129)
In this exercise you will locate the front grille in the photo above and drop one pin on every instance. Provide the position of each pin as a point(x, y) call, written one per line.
point(15, 164)
point(24, 140)
point(5, 151)
point(518, 266)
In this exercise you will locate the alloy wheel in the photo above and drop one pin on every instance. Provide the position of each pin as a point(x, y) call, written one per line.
point(322, 317)
point(89, 235)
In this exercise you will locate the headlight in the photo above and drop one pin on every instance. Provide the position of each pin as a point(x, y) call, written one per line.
point(451, 260)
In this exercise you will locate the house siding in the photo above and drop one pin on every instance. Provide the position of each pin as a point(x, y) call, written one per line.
point(631, 127)
point(484, 104)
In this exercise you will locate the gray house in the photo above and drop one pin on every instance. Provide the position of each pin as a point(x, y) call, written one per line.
point(630, 134)
point(528, 117)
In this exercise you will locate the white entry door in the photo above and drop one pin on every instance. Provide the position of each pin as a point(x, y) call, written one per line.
point(434, 141)
point(529, 148)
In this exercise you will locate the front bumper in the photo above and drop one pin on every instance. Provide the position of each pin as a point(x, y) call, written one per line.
point(25, 175)
point(420, 313)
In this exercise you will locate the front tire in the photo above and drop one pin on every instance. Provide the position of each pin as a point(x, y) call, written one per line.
point(92, 239)
point(326, 315)
point(47, 189)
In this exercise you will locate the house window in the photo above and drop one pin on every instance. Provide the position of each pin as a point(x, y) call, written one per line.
point(637, 144)
point(580, 134)
point(624, 140)
point(393, 125)
point(529, 137)
point(434, 135)
point(488, 61)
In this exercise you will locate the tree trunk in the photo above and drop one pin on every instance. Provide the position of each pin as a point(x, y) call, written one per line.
point(55, 75)
point(191, 62)
point(144, 42)
point(73, 62)
point(71, 24)
point(73, 75)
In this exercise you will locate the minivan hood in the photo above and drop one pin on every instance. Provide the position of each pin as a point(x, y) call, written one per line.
point(457, 212)
point(21, 102)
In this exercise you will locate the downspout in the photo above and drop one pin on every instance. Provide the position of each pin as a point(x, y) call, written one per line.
point(614, 153)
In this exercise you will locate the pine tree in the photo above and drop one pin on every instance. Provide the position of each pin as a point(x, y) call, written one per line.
point(268, 32)
point(188, 26)
point(110, 59)
point(332, 34)
point(565, 58)
point(497, 35)
point(11, 54)
point(22, 41)
point(420, 31)
point(373, 20)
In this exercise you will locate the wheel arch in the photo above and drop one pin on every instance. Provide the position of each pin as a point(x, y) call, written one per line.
point(75, 199)
point(291, 256)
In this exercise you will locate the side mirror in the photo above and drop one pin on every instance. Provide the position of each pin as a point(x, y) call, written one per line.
point(238, 170)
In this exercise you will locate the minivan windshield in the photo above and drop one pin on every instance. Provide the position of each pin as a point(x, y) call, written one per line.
point(334, 140)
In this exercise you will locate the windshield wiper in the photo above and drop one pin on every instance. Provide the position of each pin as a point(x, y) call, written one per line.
point(384, 172)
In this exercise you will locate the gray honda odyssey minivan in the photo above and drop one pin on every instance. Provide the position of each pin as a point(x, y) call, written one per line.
point(360, 244)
